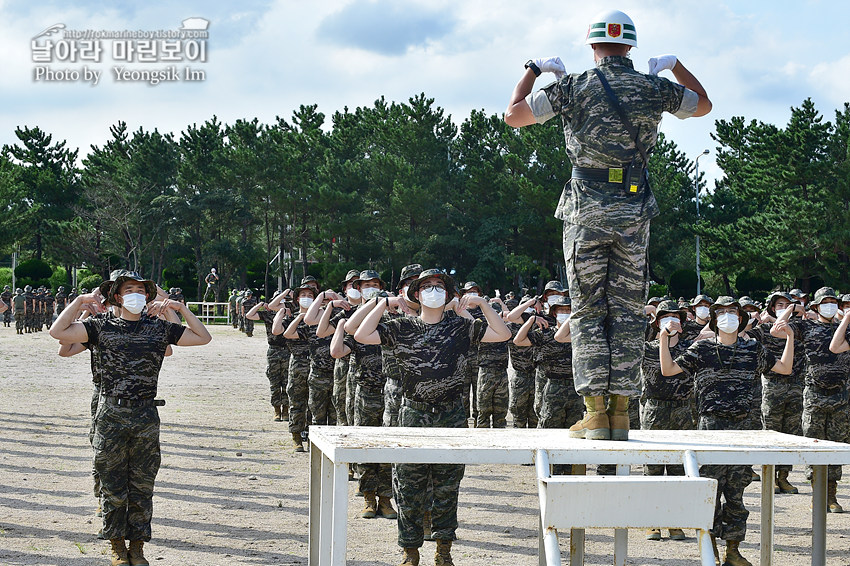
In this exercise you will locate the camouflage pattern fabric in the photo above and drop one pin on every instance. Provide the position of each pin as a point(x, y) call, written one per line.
point(320, 349)
point(127, 459)
point(6, 297)
point(366, 364)
point(730, 517)
point(277, 372)
point(521, 395)
point(320, 386)
point(678, 387)
point(369, 411)
point(350, 389)
point(20, 321)
point(492, 391)
point(561, 405)
point(340, 391)
point(297, 392)
point(658, 414)
point(411, 481)
point(539, 385)
point(826, 415)
point(61, 301)
point(470, 383)
point(94, 401)
point(130, 353)
point(267, 318)
point(248, 304)
point(823, 369)
point(608, 284)
point(552, 357)
point(725, 375)
point(432, 357)
point(392, 401)
point(297, 347)
point(690, 330)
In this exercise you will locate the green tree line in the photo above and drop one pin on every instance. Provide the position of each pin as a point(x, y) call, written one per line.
point(395, 183)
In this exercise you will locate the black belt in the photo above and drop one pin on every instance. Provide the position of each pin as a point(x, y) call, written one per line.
point(668, 402)
point(613, 175)
point(559, 377)
point(428, 407)
point(132, 403)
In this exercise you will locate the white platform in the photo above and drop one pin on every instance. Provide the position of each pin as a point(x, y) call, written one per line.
point(332, 448)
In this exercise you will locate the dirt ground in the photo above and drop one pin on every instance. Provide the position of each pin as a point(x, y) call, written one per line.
point(231, 490)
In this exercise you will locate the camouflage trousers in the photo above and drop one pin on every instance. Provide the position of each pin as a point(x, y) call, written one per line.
point(29, 321)
point(561, 406)
point(95, 397)
point(492, 398)
point(277, 371)
point(298, 392)
point(539, 384)
point(320, 385)
point(782, 407)
point(521, 394)
point(7, 317)
point(350, 389)
point(241, 322)
point(369, 411)
point(392, 401)
point(827, 417)
point(234, 320)
point(20, 320)
point(470, 382)
point(339, 391)
point(411, 481)
point(127, 458)
point(607, 275)
point(730, 517)
point(249, 326)
point(659, 414)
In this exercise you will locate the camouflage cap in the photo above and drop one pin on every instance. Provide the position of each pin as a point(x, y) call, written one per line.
point(370, 274)
point(351, 275)
point(845, 298)
point(309, 279)
point(27, 288)
point(248, 292)
point(107, 285)
point(824, 293)
point(559, 302)
point(61, 288)
point(427, 274)
point(654, 301)
point(469, 285)
point(84, 290)
point(410, 271)
point(701, 299)
point(512, 304)
point(669, 307)
point(726, 301)
point(305, 287)
point(7, 288)
point(554, 286)
point(18, 290)
point(150, 286)
point(773, 297)
point(747, 301)
point(798, 293)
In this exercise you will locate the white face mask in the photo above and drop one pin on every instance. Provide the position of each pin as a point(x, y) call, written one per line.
point(780, 312)
point(352, 294)
point(702, 312)
point(433, 299)
point(134, 302)
point(404, 292)
point(552, 299)
point(728, 322)
point(370, 293)
point(562, 317)
point(827, 310)
point(667, 324)
point(305, 302)
point(472, 294)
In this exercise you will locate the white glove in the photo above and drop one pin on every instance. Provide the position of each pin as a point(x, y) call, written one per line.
point(551, 65)
point(661, 63)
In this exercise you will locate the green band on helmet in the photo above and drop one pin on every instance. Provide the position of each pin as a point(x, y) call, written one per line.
point(629, 27)
point(598, 34)
point(629, 36)
point(598, 25)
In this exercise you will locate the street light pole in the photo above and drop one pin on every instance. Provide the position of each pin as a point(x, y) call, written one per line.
point(696, 188)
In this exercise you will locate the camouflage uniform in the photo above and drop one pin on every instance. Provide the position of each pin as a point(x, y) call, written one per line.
point(231, 308)
point(344, 386)
point(297, 390)
point(431, 359)
point(492, 386)
point(248, 303)
point(606, 225)
point(521, 385)
point(6, 297)
point(240, 319)
point(666, 401)
point(49, 301)
point(470, 383)
point(277, 362)
point(724, 385)
point(29, 310)
point(560, 405)
point(19, 304)
point(126, 439)
point(826, 414)
point(61, 300)
point(321, 378)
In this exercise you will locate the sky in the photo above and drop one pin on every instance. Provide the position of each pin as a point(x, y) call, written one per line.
point(264, 58)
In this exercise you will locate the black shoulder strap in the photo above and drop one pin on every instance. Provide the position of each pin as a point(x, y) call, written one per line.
point(625, 119)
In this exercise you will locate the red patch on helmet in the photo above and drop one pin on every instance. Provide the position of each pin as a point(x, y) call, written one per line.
point(614, 30)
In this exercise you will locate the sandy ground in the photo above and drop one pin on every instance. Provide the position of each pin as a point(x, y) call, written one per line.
point(231, 491)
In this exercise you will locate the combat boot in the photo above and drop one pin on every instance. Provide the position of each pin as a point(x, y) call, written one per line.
point(284, 413)
point(443, 556)
point(136, 554)
point(756, 476)
point(733, 556)
point(782, 483)
point(119, 552)
point(426, 526)
point(410, 557)
point(296, 442)
point(832, 504)
point(595, 424)
point(370, 505)
point(653, 534)
point(277, 415)
point(385, 508)
point(677, 534)
point(618, 417)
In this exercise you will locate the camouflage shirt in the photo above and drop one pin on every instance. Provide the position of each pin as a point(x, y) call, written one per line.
point(432, 357)
point(60, 299)
point(49, 300)
point(366, 363)
point(297, 347)
point(822, 366)
point(249, 303)
point(777, 346)
point(320, 348)
point(596, 137)
point(554, 358)
point(522, 357)
point(690, 330)
point(130, 353)
point(493, 355)
point(388, 356)
point(267, 318)
point(725, 375)
point(667, 388)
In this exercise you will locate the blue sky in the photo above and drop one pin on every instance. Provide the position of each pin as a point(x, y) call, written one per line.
point(266, 57)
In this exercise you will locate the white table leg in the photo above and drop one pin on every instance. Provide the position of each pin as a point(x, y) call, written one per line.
point(314, 520)
point(340, 514)
point(326, 512)
point(767, 483)
point(621, 536)
point(819, 474)
point(577, 535)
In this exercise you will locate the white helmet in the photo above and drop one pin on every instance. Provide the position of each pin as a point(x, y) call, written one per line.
point(612, 27)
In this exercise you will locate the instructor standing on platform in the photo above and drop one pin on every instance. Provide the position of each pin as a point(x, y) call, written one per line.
point(610, 115)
